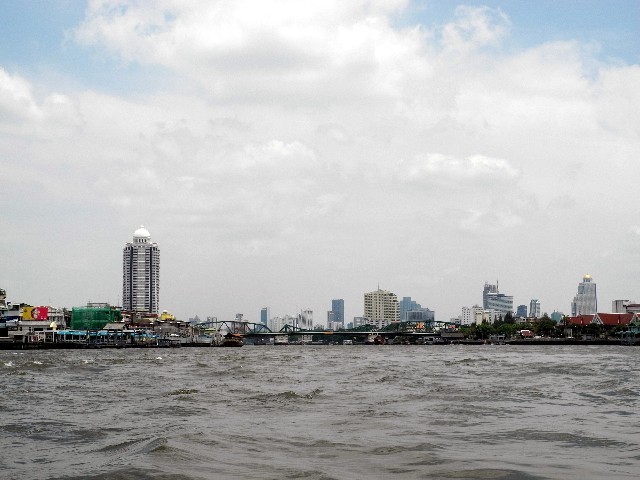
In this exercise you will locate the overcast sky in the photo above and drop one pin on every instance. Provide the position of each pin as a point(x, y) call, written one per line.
point(286, 153)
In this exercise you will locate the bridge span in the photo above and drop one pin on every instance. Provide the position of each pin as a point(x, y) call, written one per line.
point(399, 332)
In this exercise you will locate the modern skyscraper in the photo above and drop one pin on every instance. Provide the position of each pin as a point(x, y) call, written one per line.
point(521, 311)
point(488, 290)
point(337, 307)
point(141, 273)
point(586, 301)
point(492, 299)
point(381, 307)
point(534, 308)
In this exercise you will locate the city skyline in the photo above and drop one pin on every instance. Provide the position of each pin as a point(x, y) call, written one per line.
point(309, 151)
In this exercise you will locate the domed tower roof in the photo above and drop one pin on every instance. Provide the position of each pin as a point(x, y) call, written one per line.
point(141, 233)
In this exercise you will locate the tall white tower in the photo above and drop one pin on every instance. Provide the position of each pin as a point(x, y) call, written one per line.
point(141, 273)
point(586, 301)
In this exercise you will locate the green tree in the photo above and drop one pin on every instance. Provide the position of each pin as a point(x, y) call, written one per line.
point(507, 329)
point(484, 330)
point(544, 326)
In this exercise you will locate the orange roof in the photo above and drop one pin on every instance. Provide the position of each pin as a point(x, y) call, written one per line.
point(580, 320)
point(612, 319)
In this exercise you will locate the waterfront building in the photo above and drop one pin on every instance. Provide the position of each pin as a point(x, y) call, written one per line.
point(381, 307)
point(534, 308)
point(521, 311)
point(337, 307)
point(94, 316)
point(492, 299)
point(3, 300)
point(264, 316)
point(612, 319)
point(585, 302)
point(141, 273)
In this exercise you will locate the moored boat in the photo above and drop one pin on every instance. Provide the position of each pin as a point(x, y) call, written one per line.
point(232, 340)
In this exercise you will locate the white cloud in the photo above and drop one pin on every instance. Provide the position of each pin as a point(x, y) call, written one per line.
point(318, 135)
point(476, 169)
point(473, 28)
point(16, 100)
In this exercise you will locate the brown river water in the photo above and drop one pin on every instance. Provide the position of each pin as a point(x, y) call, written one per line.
point(322, 412)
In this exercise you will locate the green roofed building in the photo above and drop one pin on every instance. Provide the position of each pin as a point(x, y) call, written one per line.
point(94, 316)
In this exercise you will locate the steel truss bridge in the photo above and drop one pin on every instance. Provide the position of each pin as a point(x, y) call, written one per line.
point(257, 330)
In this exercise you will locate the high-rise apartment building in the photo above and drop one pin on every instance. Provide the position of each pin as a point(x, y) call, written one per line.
point(492, 299)
point(141, 273)
point(586, 301)
point(534, 308)
point(381, 307)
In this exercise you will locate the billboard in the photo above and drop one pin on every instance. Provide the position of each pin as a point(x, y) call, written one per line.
point(35, 313)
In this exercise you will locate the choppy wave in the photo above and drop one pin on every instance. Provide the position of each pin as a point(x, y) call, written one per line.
point(400, 412)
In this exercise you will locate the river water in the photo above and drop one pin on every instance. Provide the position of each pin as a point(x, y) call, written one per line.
point(322, 412)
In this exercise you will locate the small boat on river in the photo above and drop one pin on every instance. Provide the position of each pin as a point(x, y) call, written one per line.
point(232, 340)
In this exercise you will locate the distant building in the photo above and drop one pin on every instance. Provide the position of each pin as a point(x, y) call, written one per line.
point(3, 300)
point(521, 311)
point(411, 311)
point(585, 302)
point(556, 316)
point(534, 308)
point(381, 307)
point(337, 307)
point(276, 324)
point(468, 315)
point(619, 306)
point(141, 273)
point(492, 299)
point(359, 321)
point(305, 320)
point(633, 308)
point(264, 316)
